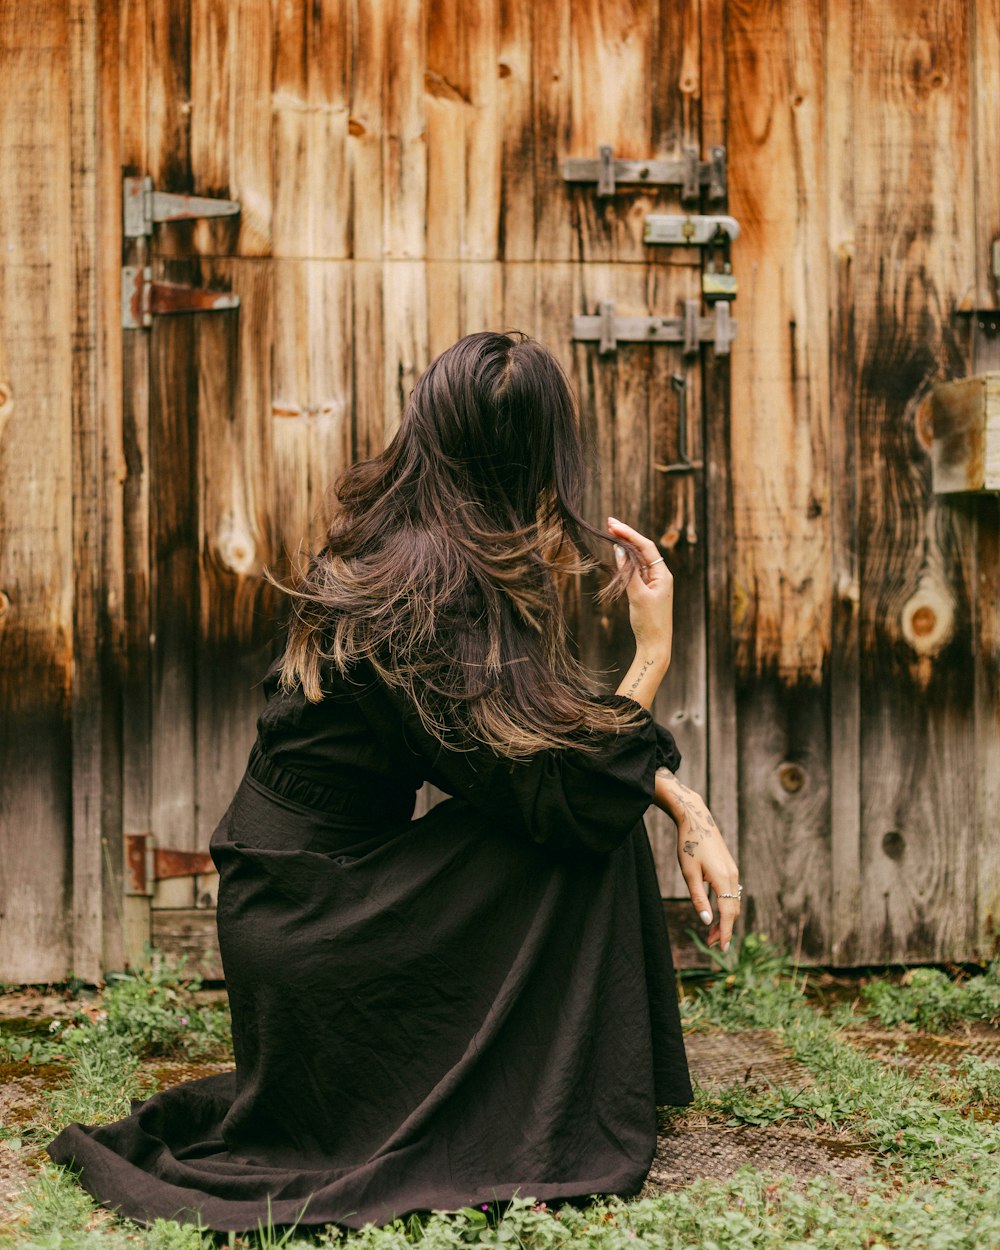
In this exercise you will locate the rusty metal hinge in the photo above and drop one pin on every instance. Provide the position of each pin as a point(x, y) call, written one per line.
point(608, 330)
point(143, 205)
point(143, 299)
point(146, 863)
point(687, 171)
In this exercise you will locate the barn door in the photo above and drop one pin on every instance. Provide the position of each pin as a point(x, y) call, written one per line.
point(406, 172)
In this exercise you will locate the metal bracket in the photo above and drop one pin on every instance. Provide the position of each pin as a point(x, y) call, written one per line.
point(146, 863)
point(678, 230)
point(692, 329)
point(687, 172)
point(143, 206)
point(143, 299)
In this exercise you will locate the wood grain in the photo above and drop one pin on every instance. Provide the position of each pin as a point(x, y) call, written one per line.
point(311, 110)
point(985, 35)
point(720, 681)
point(845, 685)
point(36, 476)
point(780, 466)
point(911, 84)
point(235, 489)
point(89, 681)
point(136, 695)
point(612, 70)
point(463, 151)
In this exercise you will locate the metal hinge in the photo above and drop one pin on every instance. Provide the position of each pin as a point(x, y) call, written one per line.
point(143, 299)
point(146, 863)
point(608, 330)
point(687, 171)
point(680, 230)
point(143, 206)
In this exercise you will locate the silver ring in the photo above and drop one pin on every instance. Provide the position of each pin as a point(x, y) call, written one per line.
point(660, 561)
point(737, 895)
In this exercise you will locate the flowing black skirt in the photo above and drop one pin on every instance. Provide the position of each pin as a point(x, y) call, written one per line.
point(426, 1015)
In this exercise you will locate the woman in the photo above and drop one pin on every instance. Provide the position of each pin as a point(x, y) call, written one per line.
point(480, 1003)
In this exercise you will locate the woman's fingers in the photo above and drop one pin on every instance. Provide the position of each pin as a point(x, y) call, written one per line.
point(699, 894)
point(645, 546)
point(707, 864)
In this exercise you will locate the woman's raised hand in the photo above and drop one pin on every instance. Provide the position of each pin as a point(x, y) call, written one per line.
point(650, 594)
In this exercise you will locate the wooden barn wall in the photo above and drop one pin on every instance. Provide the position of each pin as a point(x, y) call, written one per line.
point(836, 682)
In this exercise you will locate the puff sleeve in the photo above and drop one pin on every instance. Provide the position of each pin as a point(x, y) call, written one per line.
point(568, 799)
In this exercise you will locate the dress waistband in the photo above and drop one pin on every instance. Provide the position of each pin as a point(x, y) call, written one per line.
point(358, 803)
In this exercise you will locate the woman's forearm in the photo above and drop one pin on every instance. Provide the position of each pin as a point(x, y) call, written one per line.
point(681, 803)
point(643, 678)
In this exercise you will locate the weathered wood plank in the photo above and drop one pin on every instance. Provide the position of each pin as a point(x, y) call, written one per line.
point(88, 556)
point(112, 474)
point(516, 123)
point(405, 173)
point(36, 539)
point(463, 131)
point(174, 578)
point(370, 24)
point(236, 609)
point(780, 466)
point(845, 684)
point(404, 343)
point(190, 932)
point(708, 102)
point(614, 43)
point(368, 320)
point(552, 81)
point(133, 50)
point(311, 103)
point(986, 199)
point(911, 85)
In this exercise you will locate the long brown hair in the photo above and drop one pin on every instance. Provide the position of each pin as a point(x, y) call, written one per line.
point(438, 564)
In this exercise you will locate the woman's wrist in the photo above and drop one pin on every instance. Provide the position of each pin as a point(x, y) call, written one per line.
point(644, 675)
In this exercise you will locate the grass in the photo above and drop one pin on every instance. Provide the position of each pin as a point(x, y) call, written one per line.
point(935, 1184)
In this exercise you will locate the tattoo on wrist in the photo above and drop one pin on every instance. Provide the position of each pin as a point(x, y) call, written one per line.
point(647, 665)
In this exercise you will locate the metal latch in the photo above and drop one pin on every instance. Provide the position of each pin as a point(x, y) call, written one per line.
point(683, 464)
point(146, 863)
point(718, 282)
point(680, 230)
point(143, 205)
point(143, 299)
point(687, 171)
point(692, 329)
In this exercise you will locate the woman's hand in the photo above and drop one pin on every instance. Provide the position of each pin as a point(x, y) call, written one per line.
point(651, 614)
point(650, 595)
point(702, 854)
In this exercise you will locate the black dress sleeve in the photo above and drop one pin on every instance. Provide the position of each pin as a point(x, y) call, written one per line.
point(564, 798)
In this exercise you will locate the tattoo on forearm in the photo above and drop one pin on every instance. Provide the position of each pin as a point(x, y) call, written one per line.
point(647, 665)
point(689, 847)
point(693, 809)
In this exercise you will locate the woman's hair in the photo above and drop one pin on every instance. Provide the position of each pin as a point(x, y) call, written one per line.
point(437, 567)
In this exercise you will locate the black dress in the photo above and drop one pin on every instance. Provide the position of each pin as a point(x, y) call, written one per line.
point(427, 1013)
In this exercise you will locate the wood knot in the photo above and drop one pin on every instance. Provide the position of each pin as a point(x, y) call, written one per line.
point(236, 550)
point(792, 777)
point(928, 619)
point(894, 844)
point(505, 70)
point(356, 128)
point(6, 404)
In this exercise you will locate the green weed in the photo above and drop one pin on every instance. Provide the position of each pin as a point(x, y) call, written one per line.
point(929, 999)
